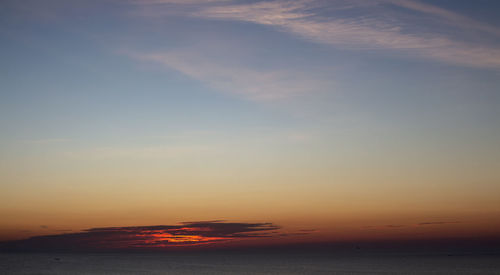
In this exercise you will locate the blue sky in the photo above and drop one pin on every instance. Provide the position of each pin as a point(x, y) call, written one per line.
point(295, 64)
point(278, 53)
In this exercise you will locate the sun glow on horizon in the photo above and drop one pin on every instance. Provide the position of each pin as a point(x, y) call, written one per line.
point(153, 123)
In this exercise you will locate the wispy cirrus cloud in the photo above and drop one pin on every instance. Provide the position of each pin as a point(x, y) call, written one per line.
point(368, 25)
point(406, 28)
point(251, 83)
point(451, 17)
point(364, 31)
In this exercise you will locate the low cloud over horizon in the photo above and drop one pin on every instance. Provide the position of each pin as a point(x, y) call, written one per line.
point(146, 237)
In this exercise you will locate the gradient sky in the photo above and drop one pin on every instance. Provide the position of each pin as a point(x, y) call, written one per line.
point(348, 120)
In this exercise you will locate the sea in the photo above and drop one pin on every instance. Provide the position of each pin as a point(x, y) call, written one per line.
point(245, 263)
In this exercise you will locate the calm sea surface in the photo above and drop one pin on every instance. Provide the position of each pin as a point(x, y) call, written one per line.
point(240, 263)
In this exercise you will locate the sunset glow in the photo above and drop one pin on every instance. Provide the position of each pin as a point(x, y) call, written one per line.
point(169, 124)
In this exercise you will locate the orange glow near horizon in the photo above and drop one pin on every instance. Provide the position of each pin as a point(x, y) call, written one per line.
point(221, 234)
point(154, 239)
point(160, 238)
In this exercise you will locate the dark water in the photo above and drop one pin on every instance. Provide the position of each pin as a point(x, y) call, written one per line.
point(240, 263)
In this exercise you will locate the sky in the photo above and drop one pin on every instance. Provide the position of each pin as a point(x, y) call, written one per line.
point(284, 121)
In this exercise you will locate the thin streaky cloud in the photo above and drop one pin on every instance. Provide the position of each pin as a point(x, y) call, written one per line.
point(260, 85)
point(437, 223)
point(452, 17)
point(394, 225)
point(361, 33)
point(301, 19)
point(411, 225)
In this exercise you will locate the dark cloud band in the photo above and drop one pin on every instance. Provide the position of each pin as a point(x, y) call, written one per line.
point(158, 236)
